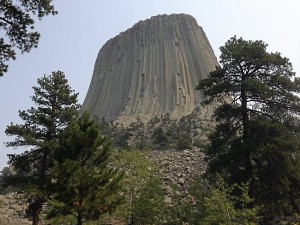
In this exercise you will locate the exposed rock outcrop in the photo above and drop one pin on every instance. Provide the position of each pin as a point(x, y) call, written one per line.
point(178, 168)
point(151, 69)
point(12, 210)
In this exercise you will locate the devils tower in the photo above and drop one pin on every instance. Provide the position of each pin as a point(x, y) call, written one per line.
point(151, 69)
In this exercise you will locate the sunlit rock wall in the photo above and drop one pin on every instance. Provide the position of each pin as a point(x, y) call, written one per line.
point(151, 69)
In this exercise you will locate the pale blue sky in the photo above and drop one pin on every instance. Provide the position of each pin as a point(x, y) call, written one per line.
point(71, 40)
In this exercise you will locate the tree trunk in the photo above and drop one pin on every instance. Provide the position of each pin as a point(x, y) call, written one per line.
point(244, 112)
point(36, 218)
point(36, 210)
point(249, 165)
point(37, 205)
point(245, 122)
point(79, 213)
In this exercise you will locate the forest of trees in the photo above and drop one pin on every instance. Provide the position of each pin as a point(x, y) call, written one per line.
point(89, 171)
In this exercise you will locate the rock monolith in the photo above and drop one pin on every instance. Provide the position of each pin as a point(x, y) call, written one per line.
point(151, 69)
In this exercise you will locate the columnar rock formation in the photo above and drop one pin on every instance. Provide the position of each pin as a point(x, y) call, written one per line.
point(151, 69)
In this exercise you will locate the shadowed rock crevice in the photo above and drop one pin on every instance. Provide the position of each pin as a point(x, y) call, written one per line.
point(151, 69)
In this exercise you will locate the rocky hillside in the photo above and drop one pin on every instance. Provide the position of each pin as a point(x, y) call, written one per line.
point(12, 210)
point(151, 69)
point(178, 168)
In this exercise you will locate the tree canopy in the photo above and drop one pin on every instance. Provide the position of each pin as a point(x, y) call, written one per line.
point(17, 22)
point(144, 196)
point(258, 122)
point(55, 107)
point(84, 183)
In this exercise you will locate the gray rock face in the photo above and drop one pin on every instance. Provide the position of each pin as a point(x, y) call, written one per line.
point(151, 69)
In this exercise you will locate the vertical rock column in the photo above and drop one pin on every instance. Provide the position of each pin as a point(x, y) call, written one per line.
point(151, 69)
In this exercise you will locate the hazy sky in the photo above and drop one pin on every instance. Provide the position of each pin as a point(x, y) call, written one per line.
point(71, 40)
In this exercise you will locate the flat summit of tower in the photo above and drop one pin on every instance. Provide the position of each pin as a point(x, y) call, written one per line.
point(151, 69)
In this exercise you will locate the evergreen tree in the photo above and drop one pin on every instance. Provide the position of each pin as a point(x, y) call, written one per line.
point(56, 105)
point(258, 121)
point(4, 189)
point(17, 22)
point(84, 182)
point(159, 137)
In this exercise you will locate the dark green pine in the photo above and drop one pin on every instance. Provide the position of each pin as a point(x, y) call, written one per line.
point(86, 185)
point(258, 123)
point(55, 106)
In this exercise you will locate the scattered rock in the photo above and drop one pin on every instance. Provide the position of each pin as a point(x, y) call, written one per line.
point(178, 168)
point(168, 200)
point(12, 210)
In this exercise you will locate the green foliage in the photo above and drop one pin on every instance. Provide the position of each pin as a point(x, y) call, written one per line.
point(63, 220)
point(174, 134)
point(156, 134)
point(55, 107)
point(199, 143)
point(137, 170)
point(223, 206)
point(153, 121)
point(159, 137)
point(258, 124)
point(277, 159)
point(218, 203)
point(17, 22)
point(141, 186)
point(184, 142)
point(118, 135)
point(84, 183)
point(166, 119)
point(188, 209)
point(138, 131)
point(149, 205)
point(4, 185)
point(181, 132)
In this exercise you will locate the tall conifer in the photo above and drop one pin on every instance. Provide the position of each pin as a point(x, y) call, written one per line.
point(258, 123)
point(55, 106)
point(85, 184)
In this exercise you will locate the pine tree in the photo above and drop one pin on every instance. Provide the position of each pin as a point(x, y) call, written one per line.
point(17, 26)
point(258, 122)
point(55, 106)
point(84, 182)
